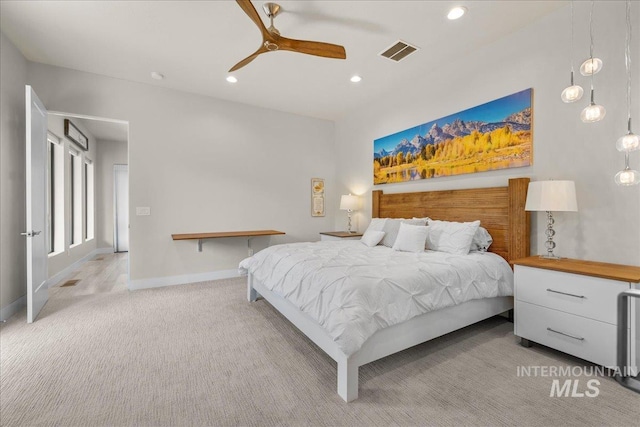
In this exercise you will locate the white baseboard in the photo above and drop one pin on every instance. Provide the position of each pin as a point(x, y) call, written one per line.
point(60, 276)
point(13, 308)
point(183, 279)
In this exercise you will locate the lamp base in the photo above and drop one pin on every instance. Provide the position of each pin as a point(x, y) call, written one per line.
point(550, 257)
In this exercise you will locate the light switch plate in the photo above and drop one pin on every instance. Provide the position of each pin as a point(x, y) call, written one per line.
point(144, 211)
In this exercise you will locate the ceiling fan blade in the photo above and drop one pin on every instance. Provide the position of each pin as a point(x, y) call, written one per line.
point(251, 11)
point(326, 50)
point(249, 58)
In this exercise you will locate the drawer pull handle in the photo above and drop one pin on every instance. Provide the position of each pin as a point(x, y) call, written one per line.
point(566, 335)
point(564, 293)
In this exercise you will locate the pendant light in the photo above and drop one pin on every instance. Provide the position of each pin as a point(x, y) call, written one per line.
point(573, 92)
point(593, 112)
point(627, 176)
point(592, 65)
point(629, 142)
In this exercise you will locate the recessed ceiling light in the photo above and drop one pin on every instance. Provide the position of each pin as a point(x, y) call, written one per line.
point(156, 75)
point(456, 12)
point(356, 79)
point(232, 79)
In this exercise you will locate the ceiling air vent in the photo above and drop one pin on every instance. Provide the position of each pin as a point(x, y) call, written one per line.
point(398, 51)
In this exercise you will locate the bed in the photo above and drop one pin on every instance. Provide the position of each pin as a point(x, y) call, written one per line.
point(501, 212)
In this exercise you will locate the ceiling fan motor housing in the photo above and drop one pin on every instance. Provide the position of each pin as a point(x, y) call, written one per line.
point(271, 9)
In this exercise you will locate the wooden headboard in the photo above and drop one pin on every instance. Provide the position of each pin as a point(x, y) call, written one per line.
point(499, 209)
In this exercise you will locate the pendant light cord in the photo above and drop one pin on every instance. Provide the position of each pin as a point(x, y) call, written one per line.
point(627, 62)
point(591, 44)
point(571, 51)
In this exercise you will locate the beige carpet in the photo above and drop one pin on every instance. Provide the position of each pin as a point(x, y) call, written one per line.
point(202, 355)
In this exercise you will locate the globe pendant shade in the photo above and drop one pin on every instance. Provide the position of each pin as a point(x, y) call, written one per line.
point(627, 177)
point(593, 113)
point(629, 142)
point(591, 66)
point(572, 94)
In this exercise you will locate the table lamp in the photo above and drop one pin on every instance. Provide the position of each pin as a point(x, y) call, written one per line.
point(559, 196)
point(349, 203)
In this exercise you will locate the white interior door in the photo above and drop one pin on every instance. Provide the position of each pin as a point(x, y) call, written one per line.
point(36, 233)
point(121, 207)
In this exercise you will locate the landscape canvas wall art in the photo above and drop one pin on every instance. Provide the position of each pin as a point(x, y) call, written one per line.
point(491, 136)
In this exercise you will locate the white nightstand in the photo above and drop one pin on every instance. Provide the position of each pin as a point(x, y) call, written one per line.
point(339, 235)
point(571, 305)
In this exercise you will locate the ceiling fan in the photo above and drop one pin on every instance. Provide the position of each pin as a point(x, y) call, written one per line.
point(273, 41)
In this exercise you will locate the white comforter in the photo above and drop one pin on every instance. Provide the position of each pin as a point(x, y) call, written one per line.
point(352, 290)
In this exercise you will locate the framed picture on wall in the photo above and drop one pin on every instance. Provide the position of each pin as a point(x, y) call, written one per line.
point(74, 134)
point(317, 197)
point(491, 136)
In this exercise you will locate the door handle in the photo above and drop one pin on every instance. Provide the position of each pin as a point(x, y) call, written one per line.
point(30, 233)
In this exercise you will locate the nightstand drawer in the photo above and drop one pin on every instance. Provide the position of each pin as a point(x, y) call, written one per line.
point(585, 296)
point(584, 338)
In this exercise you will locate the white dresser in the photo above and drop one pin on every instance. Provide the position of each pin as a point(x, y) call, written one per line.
point(571, 305)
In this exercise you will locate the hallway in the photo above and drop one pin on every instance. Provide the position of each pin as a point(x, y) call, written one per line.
point(103, 273)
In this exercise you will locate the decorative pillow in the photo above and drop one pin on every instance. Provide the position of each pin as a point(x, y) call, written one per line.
point(426, 219)
point(451, 237)
point(376, 224)
point(392, 226)
point(481, 240)
point(411, 238)
point(372, 237)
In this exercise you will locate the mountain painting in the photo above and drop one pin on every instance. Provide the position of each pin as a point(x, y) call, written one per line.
point(491, 136)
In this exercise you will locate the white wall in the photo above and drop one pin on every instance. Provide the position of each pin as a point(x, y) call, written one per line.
point(202, 164)
point(607, 226)
point(13, 70)
point(71, 253)
point(109, 153)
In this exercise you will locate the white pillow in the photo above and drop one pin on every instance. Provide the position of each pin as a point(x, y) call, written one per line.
point(392, 226)
point(376, 224)
point(372, 237)
point(481, 240)
point(451, 237)
point(411, 238)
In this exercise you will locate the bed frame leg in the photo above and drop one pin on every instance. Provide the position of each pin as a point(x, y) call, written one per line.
point(347, 380)
point(252, 294)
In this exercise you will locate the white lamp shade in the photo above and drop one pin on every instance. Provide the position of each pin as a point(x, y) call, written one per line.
point(556, 196)
point(349, 202)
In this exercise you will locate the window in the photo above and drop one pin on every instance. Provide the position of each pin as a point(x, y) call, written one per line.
point(50, 195)
point(55, 194)
point(88, 200)
point(76, 197)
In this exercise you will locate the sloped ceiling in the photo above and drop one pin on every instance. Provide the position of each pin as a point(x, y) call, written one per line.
point(194, 43)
